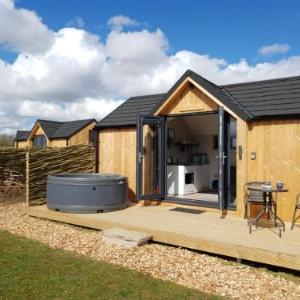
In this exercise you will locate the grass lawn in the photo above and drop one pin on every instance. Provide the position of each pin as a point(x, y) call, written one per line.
point(30, 270)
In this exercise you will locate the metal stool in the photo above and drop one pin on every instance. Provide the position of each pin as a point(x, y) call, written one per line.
point(297, 206)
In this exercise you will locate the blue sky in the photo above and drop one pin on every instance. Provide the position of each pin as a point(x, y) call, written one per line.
point(66, 60)
point(229, 29)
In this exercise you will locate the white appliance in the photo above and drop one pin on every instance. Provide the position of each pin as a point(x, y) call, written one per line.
point(187, 179)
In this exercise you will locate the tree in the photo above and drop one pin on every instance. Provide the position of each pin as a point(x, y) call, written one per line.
point(6, 140)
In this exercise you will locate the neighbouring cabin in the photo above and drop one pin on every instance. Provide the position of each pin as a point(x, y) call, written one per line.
point(200, 143)
point(21, 138)
point(47, 133)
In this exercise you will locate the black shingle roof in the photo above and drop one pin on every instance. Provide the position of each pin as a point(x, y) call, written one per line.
point(67, 129)
point(56, 130)
point(127, 112)
point(22, 135)
point(268, 98)
point(214, 90)
point(251, 100)
point(49, 127)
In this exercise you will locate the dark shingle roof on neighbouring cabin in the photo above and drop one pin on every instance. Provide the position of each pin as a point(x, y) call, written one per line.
point(67, 129)
point(22, 135)
point(49, 127)
point(126, 113)
point(56, 130)
point(250, 100)
point(268, 98)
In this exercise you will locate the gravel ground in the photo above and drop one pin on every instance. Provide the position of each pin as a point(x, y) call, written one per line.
point(199, 271)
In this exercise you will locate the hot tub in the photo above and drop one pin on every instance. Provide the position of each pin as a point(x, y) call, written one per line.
point(87, 193)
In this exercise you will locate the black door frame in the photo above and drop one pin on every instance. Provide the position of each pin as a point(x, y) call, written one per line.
point(187, 201)
point(223, 155)
point(160, 122)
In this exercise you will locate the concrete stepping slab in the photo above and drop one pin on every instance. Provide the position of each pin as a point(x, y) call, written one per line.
point(125, 238)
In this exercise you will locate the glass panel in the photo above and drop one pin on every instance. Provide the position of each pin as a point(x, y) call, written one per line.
point(150, 162)
point(39, 140)
point(232, 162)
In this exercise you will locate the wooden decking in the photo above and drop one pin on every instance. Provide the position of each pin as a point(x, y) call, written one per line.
point(205, 231)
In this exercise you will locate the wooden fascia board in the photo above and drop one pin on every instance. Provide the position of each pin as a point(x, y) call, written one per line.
point(170, 98)
point(34, 129)
point(217, 101)
point(204, 91)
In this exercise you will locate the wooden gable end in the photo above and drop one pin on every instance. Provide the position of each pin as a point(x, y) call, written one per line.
point(187, 99)
point(36, 130)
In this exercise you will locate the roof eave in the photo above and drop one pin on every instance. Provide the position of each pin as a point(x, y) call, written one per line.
point(244, 115)
point(99, 127)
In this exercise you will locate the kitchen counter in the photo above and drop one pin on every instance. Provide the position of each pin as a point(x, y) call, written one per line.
point(176, 178)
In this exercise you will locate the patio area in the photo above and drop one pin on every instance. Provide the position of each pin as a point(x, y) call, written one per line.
point(194, 229)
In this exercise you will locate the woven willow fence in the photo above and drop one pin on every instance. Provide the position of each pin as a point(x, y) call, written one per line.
point(12, 167)
point(44, 162)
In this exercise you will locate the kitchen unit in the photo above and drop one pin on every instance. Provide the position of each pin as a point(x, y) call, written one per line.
point(187, 178)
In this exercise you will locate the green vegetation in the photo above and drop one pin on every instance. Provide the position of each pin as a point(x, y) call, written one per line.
point(31, 270)
point(6, 140)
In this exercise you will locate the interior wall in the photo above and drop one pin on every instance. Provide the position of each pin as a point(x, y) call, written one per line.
point(206, 145)
point(206, 124)
point(204, 128)
point(198, 128)
point(182, 133)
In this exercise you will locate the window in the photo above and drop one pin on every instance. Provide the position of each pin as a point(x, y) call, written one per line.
point(39, 141)
point(92, 137)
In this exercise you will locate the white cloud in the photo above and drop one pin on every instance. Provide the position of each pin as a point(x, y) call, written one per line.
point(76, 22)
point(117, 23)
point(82, 109)
point(83, 76)
point(22, 30)
point(274, 49)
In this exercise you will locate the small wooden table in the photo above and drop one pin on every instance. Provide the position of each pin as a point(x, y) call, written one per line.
point(267, 206)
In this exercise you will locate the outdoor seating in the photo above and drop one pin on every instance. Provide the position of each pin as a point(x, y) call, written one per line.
point(297, 207)
point(262, 193)
point(252, 197)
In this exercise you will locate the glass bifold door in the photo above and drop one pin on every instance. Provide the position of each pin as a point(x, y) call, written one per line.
point(151, 159)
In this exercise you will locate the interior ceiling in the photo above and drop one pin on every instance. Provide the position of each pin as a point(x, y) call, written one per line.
point(202, 124)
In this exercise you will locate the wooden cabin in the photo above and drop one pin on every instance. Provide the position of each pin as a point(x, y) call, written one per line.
point(199, 143)
point(21, 138)
point(47, 133)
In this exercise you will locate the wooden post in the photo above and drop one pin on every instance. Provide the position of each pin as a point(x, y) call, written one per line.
point(27, 178)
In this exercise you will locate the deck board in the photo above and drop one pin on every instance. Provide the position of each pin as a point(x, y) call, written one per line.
point(206, 231)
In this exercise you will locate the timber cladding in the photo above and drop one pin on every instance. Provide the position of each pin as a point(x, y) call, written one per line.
point(276, 146)
point(21, 144)
point(117, 154)
point(187, 100)
point(42, 162)
point(82, 136)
